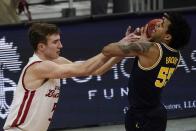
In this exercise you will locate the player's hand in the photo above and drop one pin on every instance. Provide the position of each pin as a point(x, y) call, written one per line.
point(130, 38)
point(136, 31)
point(130, 35)
point(128, 31)
point(143, 36)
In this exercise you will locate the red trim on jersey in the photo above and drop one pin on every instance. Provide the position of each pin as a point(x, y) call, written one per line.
point(23, 110)
point(27, 107)
point(25, 73)
point(20, 109)
point(26, 102)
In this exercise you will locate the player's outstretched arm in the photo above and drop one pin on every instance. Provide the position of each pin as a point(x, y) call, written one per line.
point(62, 60)
point(49, 69)
point(107, 66)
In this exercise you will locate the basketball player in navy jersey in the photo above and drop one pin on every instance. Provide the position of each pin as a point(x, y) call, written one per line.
point(156, 60)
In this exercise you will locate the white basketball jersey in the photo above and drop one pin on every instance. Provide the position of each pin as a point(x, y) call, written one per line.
point(32, 110)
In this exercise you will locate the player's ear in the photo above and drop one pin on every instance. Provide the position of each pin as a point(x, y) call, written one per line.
point(41, 46)
point(168, 37)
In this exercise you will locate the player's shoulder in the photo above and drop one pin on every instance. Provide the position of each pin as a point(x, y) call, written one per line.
point(152, 57)
point(154, 50)
point(62, 60)
point(42, 65)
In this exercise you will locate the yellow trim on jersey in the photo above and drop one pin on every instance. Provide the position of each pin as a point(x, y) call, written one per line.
point(179, 59)
point(169, 48)
point(156, 63)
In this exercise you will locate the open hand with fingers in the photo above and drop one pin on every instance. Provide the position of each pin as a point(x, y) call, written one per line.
point(139, 35)
point(138, 43)
point(143, 34)
point(130, 36)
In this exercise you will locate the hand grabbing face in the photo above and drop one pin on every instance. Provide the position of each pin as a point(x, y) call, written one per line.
point(151, 28)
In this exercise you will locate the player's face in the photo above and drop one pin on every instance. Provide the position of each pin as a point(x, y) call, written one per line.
point(53, 47)
point(161, 30)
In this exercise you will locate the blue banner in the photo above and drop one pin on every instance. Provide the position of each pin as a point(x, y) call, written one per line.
point(95, 100)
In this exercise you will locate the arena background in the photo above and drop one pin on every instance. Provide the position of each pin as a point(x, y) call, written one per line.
point(95, 100)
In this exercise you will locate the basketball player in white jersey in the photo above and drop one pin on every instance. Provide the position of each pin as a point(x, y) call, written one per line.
point(38, 88)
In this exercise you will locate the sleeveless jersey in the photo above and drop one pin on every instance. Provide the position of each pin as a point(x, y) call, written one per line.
point(146, 84)
point(32, 110)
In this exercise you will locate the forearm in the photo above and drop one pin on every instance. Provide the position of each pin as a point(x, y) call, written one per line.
point(84, 68)
point(126, 49)
point(107, 66)
point(94, 63)
point(135, 46)
point(112, 50)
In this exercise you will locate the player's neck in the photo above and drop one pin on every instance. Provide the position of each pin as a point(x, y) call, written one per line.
point(41, 56)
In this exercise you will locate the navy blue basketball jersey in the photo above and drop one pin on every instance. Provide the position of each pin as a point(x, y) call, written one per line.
point(146, 84)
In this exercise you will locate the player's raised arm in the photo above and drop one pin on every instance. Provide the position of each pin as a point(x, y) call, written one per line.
point(131, 45)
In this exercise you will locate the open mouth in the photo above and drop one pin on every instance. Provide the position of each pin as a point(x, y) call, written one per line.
point(58, 52)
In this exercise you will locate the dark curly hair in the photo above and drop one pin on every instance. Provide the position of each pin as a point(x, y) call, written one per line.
point(179, 30)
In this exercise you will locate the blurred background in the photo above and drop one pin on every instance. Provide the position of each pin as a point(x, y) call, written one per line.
point(55, 9)
point(95, 103)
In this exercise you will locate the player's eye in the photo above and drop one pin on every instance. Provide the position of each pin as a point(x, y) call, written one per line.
point(158, 26)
